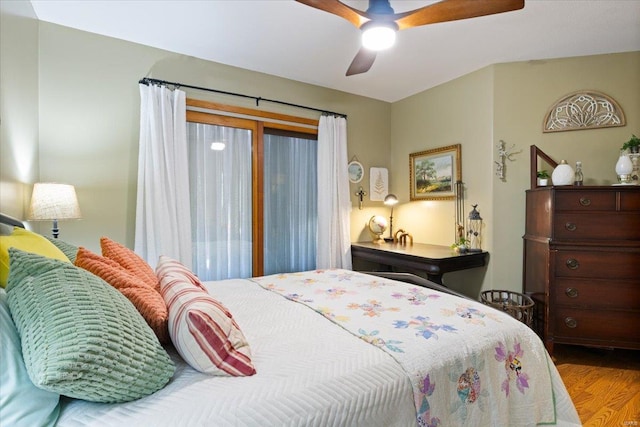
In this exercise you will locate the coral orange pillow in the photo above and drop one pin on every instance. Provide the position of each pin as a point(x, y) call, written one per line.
point(130, 261)
point(144, 297)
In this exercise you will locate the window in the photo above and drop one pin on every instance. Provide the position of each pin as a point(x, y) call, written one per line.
point(253, 204)
point(290, 202)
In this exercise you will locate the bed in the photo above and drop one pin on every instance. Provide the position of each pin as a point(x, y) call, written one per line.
point(342, 348)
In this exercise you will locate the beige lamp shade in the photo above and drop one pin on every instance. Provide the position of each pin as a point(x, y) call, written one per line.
point(52, 201)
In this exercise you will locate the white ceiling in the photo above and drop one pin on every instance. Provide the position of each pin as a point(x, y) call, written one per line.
point(288, 39)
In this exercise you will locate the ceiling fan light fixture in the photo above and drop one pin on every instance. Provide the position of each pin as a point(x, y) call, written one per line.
point(379, 36)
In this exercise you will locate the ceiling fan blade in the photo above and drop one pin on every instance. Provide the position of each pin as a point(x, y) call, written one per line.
point(452, 10)
point(338, 8)
point(362, 62)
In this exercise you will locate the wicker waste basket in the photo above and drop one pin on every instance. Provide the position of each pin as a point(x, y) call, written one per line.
point(515, 304)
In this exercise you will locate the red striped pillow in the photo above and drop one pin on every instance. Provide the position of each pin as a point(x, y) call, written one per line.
point(201, 328)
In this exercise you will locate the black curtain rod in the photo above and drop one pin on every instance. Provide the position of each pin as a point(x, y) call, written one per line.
point(147, 81)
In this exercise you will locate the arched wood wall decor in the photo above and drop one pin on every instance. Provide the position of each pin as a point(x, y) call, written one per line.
point(583, 110)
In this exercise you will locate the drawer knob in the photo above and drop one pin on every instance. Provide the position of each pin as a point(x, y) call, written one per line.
point(584, 201)
point(573, 264)
point(570, 226)
point(570, 322)
point(571, 292)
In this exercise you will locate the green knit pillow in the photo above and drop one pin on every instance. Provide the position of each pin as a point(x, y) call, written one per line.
point(67, 248)
point(81, 337)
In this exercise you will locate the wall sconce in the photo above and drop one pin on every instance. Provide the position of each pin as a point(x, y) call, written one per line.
point(474, 230)
point(390, 200)
point(51, 201)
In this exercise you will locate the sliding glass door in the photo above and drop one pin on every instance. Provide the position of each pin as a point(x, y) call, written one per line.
point(253, 201)
point(290, 202)
point(221, 200)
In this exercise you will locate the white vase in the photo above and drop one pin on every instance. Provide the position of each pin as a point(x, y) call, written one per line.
point(562, 174)
point(624, 167)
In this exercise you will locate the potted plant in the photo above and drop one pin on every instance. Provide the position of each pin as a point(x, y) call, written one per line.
point(633, 145)
point(543, 177)
point(461, 245)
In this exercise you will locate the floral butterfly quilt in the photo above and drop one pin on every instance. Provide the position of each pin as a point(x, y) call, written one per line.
point(468, 364)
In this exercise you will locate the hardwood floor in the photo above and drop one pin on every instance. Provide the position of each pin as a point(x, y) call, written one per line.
point(604, 384)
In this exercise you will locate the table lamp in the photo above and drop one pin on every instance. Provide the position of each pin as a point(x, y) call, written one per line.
point(52, 201)
point(390, 200)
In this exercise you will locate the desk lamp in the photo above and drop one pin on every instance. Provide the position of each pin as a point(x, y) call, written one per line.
point(390, 200)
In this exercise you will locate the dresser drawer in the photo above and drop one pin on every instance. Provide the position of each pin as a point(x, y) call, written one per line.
point(599, 325)
point(596, 226)
point(578, 200)
point(597, 293)
point(598, 265)
point(630, 201)
point(584, 201)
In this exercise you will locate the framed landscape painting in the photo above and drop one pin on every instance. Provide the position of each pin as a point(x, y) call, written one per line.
point(434, 173)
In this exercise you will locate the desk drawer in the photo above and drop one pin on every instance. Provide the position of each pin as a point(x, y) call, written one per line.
point(600, 226)
point(597, 265)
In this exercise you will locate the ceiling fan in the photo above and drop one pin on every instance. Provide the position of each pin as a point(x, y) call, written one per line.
point(379, 23)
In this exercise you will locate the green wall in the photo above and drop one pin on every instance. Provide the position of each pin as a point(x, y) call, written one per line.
point(18, 106)
point(506, 102)
point(523, 93)
point(458, 112)
point(88, 104)
point(70, 113)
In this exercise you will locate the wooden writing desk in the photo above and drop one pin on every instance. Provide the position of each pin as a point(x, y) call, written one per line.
point(433, 260)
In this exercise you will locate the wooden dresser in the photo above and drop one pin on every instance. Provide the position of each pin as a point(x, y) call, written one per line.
point(582, 264)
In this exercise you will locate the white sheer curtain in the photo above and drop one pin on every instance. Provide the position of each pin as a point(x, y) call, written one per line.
point(221, 197)
point(334, 205)
point(290, 204)
point(163, 218)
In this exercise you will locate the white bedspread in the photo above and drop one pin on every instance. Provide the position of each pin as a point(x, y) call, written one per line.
point(312, 372)
point(309, 373)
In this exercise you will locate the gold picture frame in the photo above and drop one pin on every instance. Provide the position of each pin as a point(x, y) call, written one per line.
point(433, 173)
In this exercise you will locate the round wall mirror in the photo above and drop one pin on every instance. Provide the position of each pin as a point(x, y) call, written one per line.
point(356, 171)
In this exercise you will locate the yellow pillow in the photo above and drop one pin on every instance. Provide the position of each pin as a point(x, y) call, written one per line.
point(27, 241)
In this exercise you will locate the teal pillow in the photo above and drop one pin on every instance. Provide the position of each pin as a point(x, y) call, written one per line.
point(67, 248)
point(81, 337)
point(22, 404)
